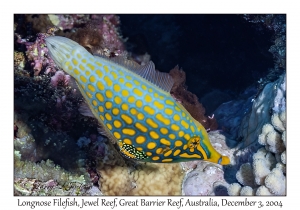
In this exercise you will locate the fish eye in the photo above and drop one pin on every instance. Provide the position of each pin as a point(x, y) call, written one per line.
point(193, 143)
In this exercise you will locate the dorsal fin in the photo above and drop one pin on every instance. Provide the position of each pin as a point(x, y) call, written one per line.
point(148, 72)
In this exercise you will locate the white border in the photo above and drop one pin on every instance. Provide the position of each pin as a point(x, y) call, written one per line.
point(154, 6)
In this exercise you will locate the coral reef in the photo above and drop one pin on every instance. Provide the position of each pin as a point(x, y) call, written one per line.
point(46, 110)
point(272, 97)
point(19, 60)
point(39, 22)
point(24, 141)
point(119, 176)
point(146, 179)
point(101, 36)
point(98, 33)
point(67, 21)
point(204, 178)
point(34, 187)
point(60, 77)
point(60, 152)
point(36, 52)
point(46, 170)
point(266, 173)
point(47, 113)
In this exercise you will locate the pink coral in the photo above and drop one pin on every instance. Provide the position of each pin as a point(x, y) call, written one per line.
point(58, 77)
point(37, 52)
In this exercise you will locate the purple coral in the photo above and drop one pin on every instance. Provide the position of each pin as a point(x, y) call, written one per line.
point(60, 77)
point(37, 52)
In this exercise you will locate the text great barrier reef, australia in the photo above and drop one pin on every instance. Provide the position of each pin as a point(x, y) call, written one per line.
point(121, 202)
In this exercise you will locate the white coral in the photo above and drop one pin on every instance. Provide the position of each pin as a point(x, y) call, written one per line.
point(262, 190)
point(282, 117)
point(268, 163)
point(261, 170)
point(275, 182)
point(277, 123)
point(274, 143)
point(281, 167)
point(283, 138)
point(234, 189)
point(267, 128)
point(283, 157)
point(261, 153)
point(246, 191)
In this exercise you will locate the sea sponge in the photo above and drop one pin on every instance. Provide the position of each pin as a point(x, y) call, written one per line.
point(275, 182)
point(146, 179)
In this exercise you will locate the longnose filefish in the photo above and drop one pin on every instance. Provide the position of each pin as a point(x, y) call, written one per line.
point(134, 106)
